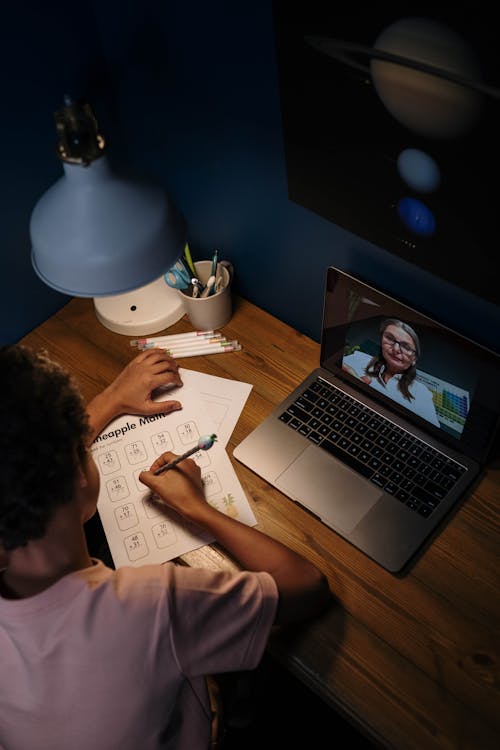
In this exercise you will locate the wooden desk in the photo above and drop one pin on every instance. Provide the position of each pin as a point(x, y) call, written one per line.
point(412, 662)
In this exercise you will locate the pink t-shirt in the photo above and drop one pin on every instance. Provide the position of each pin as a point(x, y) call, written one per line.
point(115, 660)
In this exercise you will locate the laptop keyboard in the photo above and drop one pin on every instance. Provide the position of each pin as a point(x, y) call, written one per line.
point(392, 458)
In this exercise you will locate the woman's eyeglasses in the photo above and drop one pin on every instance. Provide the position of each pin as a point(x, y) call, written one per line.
point(405, 348)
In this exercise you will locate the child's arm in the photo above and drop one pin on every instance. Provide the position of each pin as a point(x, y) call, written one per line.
point(303, 589)
point(131, 392)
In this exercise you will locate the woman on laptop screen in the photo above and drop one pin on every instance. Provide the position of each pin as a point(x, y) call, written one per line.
point(393, 370)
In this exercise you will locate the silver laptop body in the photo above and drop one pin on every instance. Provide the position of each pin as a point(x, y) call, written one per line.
point(364, 489)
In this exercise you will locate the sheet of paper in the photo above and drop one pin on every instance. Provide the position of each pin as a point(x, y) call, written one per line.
point(137, 529)
point(224, 399)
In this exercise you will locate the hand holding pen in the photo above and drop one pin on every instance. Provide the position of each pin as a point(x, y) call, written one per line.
point(173, 497)
point(181, 490)
point(204, 443)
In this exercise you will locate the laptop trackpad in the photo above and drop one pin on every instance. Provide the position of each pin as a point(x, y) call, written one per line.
point(330, 490)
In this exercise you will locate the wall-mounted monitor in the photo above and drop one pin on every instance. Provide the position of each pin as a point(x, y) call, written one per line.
point(391, 120)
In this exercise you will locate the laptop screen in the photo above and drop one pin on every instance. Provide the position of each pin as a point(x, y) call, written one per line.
point(432, 375)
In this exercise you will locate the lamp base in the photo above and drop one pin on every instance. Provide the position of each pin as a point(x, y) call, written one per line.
point(146, 310)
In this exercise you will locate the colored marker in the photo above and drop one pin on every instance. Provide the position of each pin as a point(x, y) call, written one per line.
point(187, 344)
point(173, 337)
point(226, 346)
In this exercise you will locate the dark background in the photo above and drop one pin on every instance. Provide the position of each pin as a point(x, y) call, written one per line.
point(188, 93)
point(342, 144)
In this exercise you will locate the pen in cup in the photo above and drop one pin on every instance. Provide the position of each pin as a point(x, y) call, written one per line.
point(215, 259)
point(208, 288)
point(197, 287)
point(213, 308)
point(189, 259)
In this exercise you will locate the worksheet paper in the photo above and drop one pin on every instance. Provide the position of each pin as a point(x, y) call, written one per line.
point(224, 399)
point(138, 529)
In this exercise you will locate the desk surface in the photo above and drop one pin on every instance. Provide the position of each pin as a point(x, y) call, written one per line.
point(412, 662)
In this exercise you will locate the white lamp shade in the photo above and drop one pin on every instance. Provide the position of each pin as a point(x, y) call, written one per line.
point(95, 234)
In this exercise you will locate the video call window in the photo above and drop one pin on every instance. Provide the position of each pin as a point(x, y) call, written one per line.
point(410, 366)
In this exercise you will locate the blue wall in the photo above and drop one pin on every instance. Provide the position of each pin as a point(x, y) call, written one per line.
point(186, 92)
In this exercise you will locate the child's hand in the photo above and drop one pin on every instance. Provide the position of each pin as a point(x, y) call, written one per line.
point(180, 488)
point(133, 390)
point(134, 387)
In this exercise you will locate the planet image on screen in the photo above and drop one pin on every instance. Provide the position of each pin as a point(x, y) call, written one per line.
point(428, 103)
point(428, 77)
point(425, 74)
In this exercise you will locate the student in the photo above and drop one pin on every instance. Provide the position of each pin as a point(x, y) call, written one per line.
point(393, 371)
point(104, 659)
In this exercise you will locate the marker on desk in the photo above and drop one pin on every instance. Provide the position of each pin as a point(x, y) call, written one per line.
point(204, 443)
point(186, 344)
point(177, 346)
point(223, 346)
point(155, 340)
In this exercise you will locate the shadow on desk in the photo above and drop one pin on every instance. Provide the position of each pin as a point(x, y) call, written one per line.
point(280, 712)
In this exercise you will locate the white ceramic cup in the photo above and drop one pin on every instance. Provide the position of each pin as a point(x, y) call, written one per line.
point(213, 312)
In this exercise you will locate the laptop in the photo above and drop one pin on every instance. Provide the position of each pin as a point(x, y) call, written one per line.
point(390, 431)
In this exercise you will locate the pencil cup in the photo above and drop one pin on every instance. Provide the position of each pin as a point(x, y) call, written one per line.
point(210, 313)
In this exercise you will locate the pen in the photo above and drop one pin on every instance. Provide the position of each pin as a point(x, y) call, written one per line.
point(214, 271)
point(189, 259)
point(208, 288)
point(214, 262)
point(204, 443)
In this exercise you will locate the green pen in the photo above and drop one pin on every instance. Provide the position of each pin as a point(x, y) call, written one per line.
point(189, 260)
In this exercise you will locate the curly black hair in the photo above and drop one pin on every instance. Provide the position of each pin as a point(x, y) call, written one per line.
point(43, 437)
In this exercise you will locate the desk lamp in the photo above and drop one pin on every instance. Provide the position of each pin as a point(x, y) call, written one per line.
point(97, 234)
